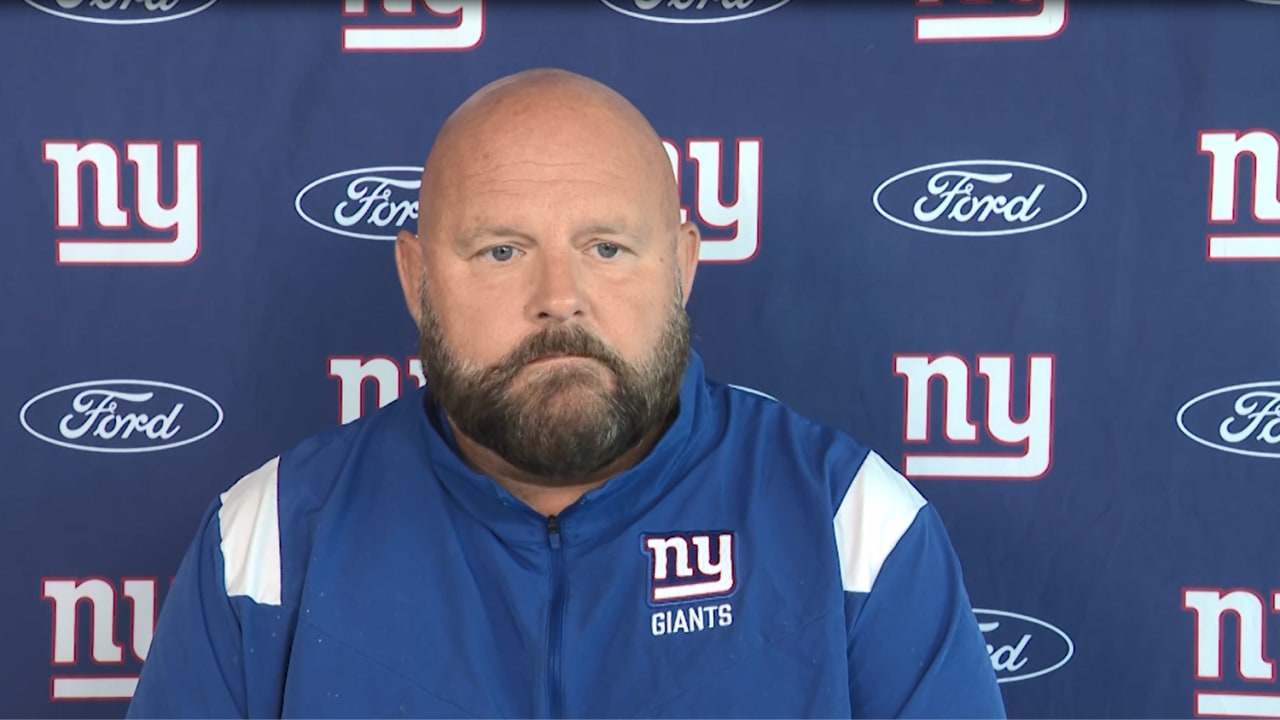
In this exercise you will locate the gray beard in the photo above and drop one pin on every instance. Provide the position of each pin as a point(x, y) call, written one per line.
point(556, 439)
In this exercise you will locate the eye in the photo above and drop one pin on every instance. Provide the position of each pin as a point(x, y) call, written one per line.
point(607, 250)
point(501, 253)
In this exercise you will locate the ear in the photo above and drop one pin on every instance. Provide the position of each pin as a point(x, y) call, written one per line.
point(688, 242)
point(409, 266)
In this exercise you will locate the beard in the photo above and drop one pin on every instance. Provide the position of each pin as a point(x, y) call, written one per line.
point(566, 420)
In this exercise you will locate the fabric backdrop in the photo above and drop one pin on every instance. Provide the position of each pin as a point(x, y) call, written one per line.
point(1023, 248)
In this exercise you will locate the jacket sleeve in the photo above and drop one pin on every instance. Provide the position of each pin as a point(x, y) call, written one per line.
point(193, 667)
point(914, 646)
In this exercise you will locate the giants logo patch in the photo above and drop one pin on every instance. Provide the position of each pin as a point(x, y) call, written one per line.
point(689, 566)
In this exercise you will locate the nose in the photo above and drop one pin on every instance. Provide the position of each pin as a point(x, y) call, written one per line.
point(558, 293)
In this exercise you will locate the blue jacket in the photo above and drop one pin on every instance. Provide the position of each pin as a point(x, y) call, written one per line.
point(754, 564)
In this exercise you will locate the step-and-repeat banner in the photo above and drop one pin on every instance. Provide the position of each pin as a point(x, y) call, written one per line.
point(1026, 249)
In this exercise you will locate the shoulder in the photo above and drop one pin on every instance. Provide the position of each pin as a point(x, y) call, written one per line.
point(751, 416)
point(872, 505)
point(825, 453)
point(874, 514)
point(305, 472)
point(265, 511)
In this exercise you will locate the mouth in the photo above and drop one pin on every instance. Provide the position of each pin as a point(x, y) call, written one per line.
point(557, 358)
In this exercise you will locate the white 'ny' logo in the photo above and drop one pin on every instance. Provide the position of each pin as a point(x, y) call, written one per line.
point(741, 216)
point(1032, 437)
point(1047, 19)
point(463, 28)
point(1224, 148)
point(181, 219)
point(1248, 608)
point(69, 595)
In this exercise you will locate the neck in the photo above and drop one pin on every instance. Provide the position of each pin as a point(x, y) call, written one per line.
point(548, 496)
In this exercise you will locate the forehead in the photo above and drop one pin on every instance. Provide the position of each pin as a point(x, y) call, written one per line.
point(579, 165)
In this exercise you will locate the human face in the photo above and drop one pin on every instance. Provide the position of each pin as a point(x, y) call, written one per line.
point(551, 307)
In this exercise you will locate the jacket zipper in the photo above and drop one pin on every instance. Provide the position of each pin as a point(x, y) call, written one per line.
point(556, 631)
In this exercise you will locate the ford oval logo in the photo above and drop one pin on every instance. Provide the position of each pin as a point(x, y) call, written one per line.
point(372, 203)
point(692, 11)
point(1240, 419)
point(121, 416)
point(1022, 647)
point(979, 197)
point(121, 12)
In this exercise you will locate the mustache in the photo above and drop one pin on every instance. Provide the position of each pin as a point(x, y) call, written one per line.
point(555, 341)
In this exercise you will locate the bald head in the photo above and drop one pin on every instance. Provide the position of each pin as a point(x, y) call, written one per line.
point(547, 90)
point(550, 116)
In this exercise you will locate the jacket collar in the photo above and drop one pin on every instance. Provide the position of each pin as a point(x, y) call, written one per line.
point(598, 513)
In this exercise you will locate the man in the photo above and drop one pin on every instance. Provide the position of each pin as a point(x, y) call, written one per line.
point(570, 520)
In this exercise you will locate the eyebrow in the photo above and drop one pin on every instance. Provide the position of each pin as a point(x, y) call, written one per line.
point(606, 229)
point(467, 241)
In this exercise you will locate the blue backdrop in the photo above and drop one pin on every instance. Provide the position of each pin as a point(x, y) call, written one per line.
point(1023, 248)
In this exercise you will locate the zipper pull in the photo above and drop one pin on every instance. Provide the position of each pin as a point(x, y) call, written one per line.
point(553, 531)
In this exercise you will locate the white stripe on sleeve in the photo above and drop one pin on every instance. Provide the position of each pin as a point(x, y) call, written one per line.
point(250, 527)
point(876, 510)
